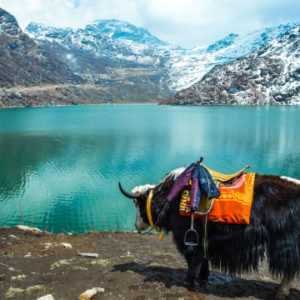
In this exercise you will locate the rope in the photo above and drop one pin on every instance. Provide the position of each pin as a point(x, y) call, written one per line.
point(165, 206)
point(161, 213)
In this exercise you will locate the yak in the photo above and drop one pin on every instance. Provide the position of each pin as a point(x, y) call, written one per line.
point(273, 231)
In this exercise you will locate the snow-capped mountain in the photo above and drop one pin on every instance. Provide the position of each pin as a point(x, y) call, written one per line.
point(268, 75)
point(87, 51)
point(123, 43)
point(39, 31)
point(114, 29)
point(189, 66)
point(125, 31)
point(91, 40)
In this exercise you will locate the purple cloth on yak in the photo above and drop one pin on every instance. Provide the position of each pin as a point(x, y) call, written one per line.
point(194, 190)
point(202, 182)
point(182, 182)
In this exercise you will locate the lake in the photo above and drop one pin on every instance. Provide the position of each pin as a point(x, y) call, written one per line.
point(60, 166)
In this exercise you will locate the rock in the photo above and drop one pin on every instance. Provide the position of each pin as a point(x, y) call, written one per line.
point(66, 245)
point(11, 235)
point(93, 255)
point(27, 228)
point(28, 255)
point(48, 297)
point(89, 294)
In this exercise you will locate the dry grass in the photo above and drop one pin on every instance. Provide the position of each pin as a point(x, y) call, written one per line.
point(36, 290)
point(18, 278)
point(12, 292)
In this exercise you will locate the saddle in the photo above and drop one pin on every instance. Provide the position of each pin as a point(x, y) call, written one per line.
point(226, 179)
point(234, 204)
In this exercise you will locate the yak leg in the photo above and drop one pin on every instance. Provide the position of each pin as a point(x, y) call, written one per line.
point(283, 289)
point(193, 261)
point(204, 270)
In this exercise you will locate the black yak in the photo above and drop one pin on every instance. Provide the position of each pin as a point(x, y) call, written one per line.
point(273, 232)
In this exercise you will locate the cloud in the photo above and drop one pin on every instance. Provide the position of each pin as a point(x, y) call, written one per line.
point(187, 23)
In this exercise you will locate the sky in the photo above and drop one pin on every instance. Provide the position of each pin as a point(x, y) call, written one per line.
point(187, 23)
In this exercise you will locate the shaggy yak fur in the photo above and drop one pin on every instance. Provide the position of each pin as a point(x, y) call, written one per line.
point(274, 231)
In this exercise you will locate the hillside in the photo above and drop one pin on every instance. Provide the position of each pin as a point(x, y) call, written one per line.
point(268, 75)
point(32, 75)
point(24, 63)
point(88, 53)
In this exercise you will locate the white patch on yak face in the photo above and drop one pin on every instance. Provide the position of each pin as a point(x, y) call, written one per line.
point(297, 181)
point(142, 188)
point(139, 222)
point(140, 225)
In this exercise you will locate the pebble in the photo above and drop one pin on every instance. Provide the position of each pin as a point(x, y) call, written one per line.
point(48, 297)
point(89, 294)
point(66, 245)
point(11, 235)
point(28, 255)
point(93, 255)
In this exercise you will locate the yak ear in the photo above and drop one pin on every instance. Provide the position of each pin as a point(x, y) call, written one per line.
point(128, 195)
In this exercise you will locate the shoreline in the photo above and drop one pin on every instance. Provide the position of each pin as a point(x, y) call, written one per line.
point(100, 104)
point(79, 94)
point(129, 266)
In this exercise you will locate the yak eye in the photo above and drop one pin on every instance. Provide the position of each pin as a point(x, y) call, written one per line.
point(134, 201)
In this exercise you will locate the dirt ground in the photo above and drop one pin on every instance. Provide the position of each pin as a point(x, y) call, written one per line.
point(129, 266)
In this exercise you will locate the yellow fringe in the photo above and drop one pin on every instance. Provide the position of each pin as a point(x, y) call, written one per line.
point(150, 215)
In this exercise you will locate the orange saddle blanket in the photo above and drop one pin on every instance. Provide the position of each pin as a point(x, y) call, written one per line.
point(233, 206)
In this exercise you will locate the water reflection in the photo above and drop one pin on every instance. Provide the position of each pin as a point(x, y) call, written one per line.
point(63, 164)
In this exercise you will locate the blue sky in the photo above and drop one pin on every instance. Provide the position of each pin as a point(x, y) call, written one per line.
point(187, 23)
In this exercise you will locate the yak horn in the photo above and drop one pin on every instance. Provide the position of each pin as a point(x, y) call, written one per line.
point(128, 195)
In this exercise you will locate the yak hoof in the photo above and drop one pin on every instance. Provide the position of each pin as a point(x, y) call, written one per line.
point(204, 270)
point(188, 281)
point(279, 295)
point(203, 275)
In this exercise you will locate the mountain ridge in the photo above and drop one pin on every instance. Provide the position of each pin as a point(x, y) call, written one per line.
point(179, 68)
point(268, 75)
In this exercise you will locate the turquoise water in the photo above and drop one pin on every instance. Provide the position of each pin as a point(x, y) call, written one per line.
point(61, 165)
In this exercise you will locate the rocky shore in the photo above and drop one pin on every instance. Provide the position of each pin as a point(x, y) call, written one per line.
point(129, 266)
point(69, 94)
